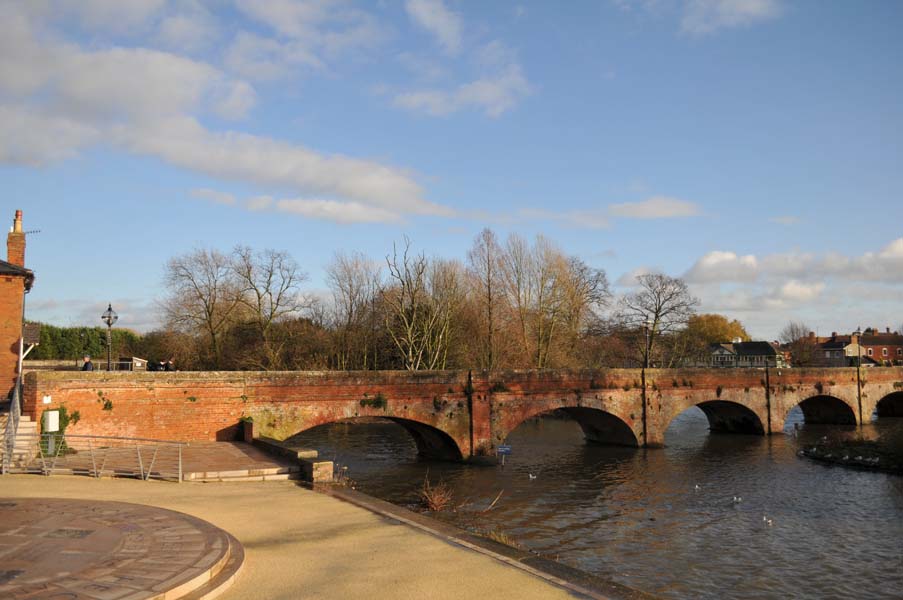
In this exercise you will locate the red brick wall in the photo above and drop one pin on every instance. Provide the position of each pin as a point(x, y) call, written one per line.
point(208, 406)
point(12, 291)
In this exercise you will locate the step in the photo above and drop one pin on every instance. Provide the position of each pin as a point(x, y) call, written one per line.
point(213, 580)
point(241, 473)
point(225, 577)
point(241, 478)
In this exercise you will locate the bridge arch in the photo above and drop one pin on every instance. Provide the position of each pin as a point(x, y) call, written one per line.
point(890, 405)
point(725, 416)
point(432, 443)
point(826, 410)
point(599, 426)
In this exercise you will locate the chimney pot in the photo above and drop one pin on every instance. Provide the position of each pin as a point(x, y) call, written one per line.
point(15, 242)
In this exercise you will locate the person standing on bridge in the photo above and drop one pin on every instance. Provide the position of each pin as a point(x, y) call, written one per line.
point(88, 366)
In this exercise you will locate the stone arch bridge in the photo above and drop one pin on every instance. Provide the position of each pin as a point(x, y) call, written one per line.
point(458, 414)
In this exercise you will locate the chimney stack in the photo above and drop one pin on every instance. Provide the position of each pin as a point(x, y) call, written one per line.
point(15, 242)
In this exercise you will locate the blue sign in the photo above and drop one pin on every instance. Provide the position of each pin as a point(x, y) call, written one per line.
point(503, 449)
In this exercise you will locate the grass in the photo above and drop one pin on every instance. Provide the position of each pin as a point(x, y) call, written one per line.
point(436, 497)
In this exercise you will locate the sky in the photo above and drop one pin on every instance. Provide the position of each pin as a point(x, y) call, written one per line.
point(752, 147)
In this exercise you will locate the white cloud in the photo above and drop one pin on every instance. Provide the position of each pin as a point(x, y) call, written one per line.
point(421, 67)
point(308, 34)
point(259, 203)
point(188, 32)
point(707, 16)
point(657, 207)
point(110, 15)
point(785, 220)
point(34, 138)
point(184, 142)
point(833, 289)
point(339, 212)
point(584, 219)
point(137, 314)
point(326, 210)
point(796, 291)
point(631, 278)
point(57, 98)
point(494, 93)
point(718, 266)
point(214, 196)
point(264, 59)
point(437, 19)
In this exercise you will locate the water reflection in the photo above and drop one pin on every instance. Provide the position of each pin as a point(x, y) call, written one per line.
point(636, 516)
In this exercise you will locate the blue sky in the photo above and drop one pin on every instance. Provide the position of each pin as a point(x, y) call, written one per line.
point(750, 146)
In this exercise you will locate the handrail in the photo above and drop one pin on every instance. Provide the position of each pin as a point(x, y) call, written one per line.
point(12, 426)
point(97, 455)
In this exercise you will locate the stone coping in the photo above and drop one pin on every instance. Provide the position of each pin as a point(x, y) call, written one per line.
point(575, 581)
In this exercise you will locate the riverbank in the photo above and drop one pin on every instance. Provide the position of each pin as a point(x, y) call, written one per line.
point(303, 544)
point(870, 455)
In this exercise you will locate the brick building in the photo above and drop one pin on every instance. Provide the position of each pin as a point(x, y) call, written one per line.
point(15, 282)
point(882, 347)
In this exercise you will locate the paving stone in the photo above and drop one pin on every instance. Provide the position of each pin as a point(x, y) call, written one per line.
point(80, 550)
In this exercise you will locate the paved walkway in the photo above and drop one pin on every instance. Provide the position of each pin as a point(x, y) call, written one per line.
point(301, 544)
point(101, 550)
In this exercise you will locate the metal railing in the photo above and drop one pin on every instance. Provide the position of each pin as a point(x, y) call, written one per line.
point(97, 456)
point(12, 426)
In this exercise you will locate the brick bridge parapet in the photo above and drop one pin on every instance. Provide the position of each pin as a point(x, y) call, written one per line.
point(456, 414)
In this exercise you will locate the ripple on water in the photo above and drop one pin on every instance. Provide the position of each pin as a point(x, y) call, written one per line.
point(635, 516)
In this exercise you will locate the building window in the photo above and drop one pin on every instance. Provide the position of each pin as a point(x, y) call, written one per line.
point(884, 352)
point(899, 351)
point(870, 352)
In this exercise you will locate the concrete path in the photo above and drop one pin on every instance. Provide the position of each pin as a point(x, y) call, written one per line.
point(301, 544)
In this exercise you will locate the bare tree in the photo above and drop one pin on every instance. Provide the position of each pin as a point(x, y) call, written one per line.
point(551, 295)
point(484, 265)
point(416, 316)
point(203, 296)
point(795, 336)
point(662, 304)
point(354, 281)
point(269, 284)
point(445, 284)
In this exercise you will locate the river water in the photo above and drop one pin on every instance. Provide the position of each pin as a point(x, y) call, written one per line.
point(664, 521)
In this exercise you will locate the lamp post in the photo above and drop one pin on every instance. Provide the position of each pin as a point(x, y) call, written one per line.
point(858, 334)
point(646, 326)
point(109, 317)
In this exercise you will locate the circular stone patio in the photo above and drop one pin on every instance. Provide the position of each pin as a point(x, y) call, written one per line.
point(73, 549)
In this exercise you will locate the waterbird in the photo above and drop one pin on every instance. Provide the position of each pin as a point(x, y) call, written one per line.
point(696, 487)
point(737, 499)
point(532, 476)
point(769, 522)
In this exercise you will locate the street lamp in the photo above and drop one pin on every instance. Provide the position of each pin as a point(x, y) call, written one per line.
point(646, 327)
point(109, 317)
point(858, 334)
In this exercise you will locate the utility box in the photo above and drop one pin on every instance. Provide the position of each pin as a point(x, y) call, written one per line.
point(131, 363)
point(51, 422)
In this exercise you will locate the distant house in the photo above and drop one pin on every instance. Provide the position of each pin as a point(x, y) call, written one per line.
point(844, 350)
point(834, 351)
point(745, 354)
point(882, 347)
